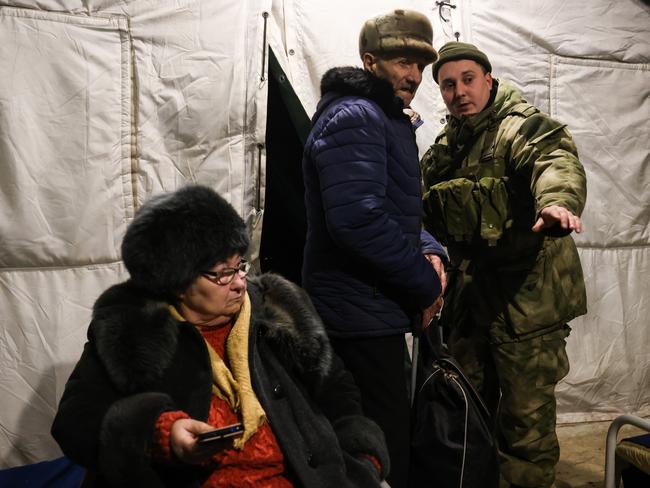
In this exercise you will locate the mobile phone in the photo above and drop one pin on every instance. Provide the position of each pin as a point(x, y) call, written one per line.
point(220, 433)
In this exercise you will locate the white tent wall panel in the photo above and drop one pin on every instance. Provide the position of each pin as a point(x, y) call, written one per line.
point(201, 100)
point(198, 69)
point(609, 347)
point(45, 314)
point(610, 127)
point(65, 200)
point(520, 38)
point(64, 122)
point(599, 29)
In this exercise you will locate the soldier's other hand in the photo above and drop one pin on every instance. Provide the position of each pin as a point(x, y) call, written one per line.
point(439, 267)
point(555, 215)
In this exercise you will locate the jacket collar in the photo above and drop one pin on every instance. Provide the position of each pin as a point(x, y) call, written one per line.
point(351, 81)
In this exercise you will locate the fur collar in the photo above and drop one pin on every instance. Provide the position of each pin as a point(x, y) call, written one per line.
point(348, 80)
point(136, 336)
point(284, 314)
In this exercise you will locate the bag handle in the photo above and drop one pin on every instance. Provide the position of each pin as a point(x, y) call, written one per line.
point(439, 351)
point(427, 345)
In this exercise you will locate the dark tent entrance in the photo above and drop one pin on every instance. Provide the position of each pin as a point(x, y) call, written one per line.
point(284, 226)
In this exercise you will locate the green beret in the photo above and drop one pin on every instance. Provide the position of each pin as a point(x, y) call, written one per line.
point(454, 50)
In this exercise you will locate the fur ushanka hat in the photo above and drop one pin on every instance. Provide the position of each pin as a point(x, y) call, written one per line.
point(174, 237)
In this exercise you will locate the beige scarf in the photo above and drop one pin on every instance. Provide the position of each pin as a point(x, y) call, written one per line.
point(235, 387)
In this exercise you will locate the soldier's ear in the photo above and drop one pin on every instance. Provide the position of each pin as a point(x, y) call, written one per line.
point(488, 78)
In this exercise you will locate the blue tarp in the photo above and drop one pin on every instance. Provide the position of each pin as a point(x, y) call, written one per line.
point(58, 473)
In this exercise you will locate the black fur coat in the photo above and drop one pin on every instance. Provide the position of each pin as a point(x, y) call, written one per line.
point(139, 362)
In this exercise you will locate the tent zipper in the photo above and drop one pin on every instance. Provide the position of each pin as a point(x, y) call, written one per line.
point(263, 76)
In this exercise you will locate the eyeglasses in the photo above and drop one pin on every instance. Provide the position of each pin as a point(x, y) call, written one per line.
point(226, 275)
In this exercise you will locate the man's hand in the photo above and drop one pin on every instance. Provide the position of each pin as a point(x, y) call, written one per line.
point(435, 308)
point(439, 266)
point(556, 215)
point(431, 312)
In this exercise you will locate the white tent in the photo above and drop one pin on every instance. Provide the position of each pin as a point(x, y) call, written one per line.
point(104, 103)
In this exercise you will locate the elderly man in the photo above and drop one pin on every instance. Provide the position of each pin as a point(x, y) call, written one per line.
point(504, 189)
point(367, 267)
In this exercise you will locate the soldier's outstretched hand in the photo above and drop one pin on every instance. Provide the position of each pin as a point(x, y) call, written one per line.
point(560, 216)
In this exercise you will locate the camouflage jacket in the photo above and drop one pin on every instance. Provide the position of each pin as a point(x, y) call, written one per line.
point(486, 179)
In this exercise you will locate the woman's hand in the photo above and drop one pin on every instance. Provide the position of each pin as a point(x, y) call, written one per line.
point(184, 443)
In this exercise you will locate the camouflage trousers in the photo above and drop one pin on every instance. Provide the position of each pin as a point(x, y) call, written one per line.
point(517, 380)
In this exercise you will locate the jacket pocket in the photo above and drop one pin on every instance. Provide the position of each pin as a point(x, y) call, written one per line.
point(544, 296)
point(552, 359)
point(463, 210)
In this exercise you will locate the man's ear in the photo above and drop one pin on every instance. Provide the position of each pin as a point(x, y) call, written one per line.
point(369, 62)
point(488, 78)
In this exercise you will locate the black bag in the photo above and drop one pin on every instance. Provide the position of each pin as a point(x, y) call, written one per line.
point(452, 443)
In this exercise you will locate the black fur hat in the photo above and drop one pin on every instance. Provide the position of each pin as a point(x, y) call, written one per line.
point(174, 237)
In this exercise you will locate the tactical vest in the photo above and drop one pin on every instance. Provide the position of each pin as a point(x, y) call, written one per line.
point(482, 207)
point(472, 201)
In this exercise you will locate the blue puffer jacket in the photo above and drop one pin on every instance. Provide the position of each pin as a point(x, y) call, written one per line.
point(363, 264)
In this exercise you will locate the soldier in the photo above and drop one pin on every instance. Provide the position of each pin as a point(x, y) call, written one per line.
point(363, 263)
point(503, 190)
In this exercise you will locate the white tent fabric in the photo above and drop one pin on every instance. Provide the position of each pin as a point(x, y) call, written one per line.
point(104, 103)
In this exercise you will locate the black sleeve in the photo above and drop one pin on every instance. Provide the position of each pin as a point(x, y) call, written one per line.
point(102, 429)
point(340, 400)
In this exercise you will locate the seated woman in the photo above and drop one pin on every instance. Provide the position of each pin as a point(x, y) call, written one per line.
point(187, 345)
